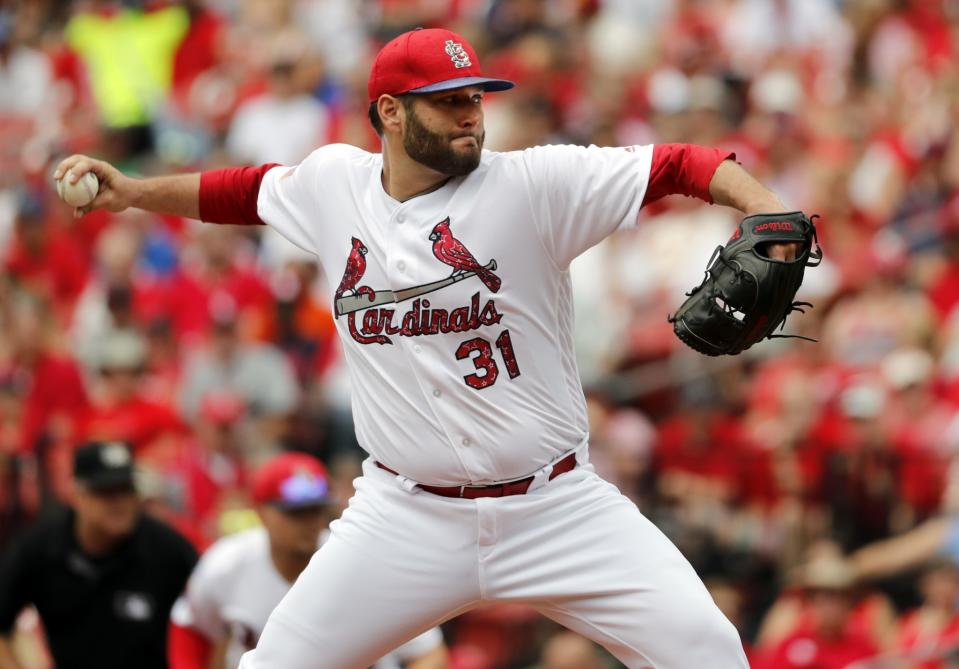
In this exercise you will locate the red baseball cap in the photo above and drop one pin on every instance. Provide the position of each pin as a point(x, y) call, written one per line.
point(425, 61)
point(291, 481)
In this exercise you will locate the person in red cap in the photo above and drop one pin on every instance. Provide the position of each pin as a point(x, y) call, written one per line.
point(242, 577)
point(453, 302)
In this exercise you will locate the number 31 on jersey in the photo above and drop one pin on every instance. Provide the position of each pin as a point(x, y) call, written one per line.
point(480, 351)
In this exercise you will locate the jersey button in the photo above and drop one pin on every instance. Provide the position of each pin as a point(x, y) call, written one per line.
point(417, 348)
point(401, 265)
point(400, 218)
point(436, 392)
point(467, 442)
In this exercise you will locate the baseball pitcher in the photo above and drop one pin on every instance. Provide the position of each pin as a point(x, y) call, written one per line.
point(453, 303)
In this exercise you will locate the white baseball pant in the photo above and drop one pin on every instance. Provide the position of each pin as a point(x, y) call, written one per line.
point(401, 560)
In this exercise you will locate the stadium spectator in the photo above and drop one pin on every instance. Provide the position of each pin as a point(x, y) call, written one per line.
point(55, 399)
point(215, 271)
point(112, 298)
point(119, 409)
point(259, 373)
point(825, 640)
point(98, 568)
point(283, 123)
point(932, 630)
point(43, 257)
point(200, 478)
point(108, 37)
point(25, 74)
point(301, 322)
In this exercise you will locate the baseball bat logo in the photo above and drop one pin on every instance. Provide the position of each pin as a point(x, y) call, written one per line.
point(351, 297)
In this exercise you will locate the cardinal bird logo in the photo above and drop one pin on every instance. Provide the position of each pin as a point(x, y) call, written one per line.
point(448, 249)
point(355, 269)
point(372, 318)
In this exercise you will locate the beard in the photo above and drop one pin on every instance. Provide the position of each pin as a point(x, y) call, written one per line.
point(435, 150)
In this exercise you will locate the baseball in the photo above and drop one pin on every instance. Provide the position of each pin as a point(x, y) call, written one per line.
point(81, 193)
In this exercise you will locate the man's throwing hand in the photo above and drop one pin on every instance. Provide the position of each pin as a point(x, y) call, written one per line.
point(117, 191)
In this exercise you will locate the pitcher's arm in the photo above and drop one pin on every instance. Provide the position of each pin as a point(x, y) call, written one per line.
point(218, 196)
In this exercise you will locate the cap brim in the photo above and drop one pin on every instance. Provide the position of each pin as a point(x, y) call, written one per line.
point(299, 505)
point(115, 480)
point(489, 85)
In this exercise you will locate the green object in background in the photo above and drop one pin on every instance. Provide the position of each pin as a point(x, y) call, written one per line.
point(233, 521)
point(129, 59)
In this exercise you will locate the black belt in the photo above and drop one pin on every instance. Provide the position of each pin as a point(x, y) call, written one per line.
point(496, 490)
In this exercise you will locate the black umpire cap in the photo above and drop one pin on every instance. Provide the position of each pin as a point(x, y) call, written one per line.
point(104, 465)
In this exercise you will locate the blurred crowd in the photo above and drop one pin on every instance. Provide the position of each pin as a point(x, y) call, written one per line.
point(211, 348)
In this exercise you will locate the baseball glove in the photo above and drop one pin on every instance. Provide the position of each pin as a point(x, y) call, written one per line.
point(746, 295)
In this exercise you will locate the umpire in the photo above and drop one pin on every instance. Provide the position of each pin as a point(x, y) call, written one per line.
point(102, 574)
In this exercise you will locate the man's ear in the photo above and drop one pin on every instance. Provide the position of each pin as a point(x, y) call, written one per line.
point(391, 112)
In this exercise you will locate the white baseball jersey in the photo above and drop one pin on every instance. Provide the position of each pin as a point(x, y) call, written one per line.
point(455, 307)
point(235, 587)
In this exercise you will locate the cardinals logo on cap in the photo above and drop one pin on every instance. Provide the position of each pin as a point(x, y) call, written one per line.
point(458, 54)
point(115, 455)
point(304, 486)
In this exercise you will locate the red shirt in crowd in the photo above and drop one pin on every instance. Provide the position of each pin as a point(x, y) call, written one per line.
point(56, 398)
point(204, 479)
point(136, 420)
point(911, 638)
point(198, 52)
point(711, 450)
point(187, 298)
point(806, 650)
point(57, 266)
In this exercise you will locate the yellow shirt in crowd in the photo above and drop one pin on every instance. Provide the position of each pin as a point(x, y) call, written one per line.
point(129, 59)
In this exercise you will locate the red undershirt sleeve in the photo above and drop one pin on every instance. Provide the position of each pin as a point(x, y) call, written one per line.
point(229, 195)
point(683, 169)
point(187, 648)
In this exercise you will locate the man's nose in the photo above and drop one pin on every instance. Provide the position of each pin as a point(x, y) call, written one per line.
point(470, 117)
